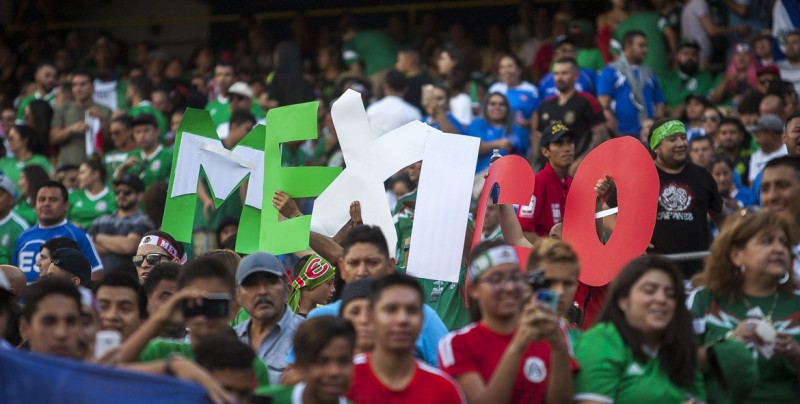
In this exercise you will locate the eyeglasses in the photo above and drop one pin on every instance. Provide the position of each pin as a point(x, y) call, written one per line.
point(497, 280)
point(123, 192)
point(152, 259)
point(710, 119)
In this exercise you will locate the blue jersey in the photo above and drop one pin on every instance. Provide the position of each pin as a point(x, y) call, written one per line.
point(614, 84)
point(585, 83)
point(523, 99)
point(482, 129)
point(450, 118)
point(26, 251)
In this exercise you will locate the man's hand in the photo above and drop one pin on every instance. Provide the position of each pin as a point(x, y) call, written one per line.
point(355, 214)
point(78, 127)
point(170, 311)
point(285, 205)
point(602, 186)
point(537, 321)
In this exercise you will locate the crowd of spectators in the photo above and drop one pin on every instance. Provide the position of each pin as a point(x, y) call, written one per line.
point(709, 312)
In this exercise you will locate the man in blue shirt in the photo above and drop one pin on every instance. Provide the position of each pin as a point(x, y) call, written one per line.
point(627, 90)
point(51, 211)
point(566, 48)
point(365, 254)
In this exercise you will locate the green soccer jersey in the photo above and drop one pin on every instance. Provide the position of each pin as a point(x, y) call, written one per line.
point(160, 348)
point(12, 168)
point(30, 98)
point(10, 228)
point(447, 299)
point(154, 168)
point(677, 86)
point(715, 316)
point(219, 110)
point(85, 208)
point(25, 210)
point(288, 394)
point(609, 373)
point(114, 159)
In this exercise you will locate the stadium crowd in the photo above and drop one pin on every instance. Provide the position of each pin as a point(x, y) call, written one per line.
point(708, 314)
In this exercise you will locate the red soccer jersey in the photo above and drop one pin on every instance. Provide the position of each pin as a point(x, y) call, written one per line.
point(548, 203)
point(428, 385)
point(476, 348)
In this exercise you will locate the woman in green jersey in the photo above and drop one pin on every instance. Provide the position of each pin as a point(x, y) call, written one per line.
point(641, 350)
point(747, 300)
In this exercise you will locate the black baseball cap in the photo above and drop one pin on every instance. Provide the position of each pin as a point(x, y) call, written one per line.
point(74, 262)
point(132, 181)
point(556, 131)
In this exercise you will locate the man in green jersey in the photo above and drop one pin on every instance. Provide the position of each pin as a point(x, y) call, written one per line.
point(153, 161)
point(138, 95)
point(45, 79)
point(11, 225)
point(224, 76)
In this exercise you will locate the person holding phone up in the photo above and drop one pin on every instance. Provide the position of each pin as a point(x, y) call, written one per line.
point(516, 350)
point(205, 290)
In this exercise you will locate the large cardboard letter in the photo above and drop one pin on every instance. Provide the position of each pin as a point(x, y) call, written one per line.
point(515, 179)
point(440, 217)
point(287, 124)
point(198, 148)
point(369, 163)
point(629, 164)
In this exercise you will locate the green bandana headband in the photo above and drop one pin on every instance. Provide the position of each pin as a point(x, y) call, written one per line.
point(664, 131)
point(502, 254)
point(315, 272)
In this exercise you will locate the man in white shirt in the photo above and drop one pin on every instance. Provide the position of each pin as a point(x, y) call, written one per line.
point(790, 67)
point(769, 129)
point(391, 111)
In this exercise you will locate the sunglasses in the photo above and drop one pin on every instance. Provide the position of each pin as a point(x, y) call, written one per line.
point(152, 259)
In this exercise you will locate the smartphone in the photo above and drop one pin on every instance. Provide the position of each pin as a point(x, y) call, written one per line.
point(215, 305)
point(548, 297)
point(105, 341)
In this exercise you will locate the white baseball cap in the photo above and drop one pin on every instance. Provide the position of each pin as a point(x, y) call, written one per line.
point(241, 88)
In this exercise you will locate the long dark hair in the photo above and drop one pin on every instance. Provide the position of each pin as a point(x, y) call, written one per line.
point(288, 83)
point(677, 353)
point(42, 115)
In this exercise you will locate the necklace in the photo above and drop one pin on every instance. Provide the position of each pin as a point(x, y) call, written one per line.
point(768, 317)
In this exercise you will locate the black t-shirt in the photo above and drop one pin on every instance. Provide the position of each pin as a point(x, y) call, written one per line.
point(580, 113)
point(684, 201)
point(413, 94)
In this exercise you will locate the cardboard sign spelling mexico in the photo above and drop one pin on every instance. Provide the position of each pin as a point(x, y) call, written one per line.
point(442, 198)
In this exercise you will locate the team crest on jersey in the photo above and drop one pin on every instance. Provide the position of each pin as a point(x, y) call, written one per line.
point(5, 240)
point(535, 370)
point(155, 166)
point(569, 117)
point(101, 206)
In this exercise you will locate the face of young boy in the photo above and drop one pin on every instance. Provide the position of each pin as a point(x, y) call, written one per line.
point(329, 376)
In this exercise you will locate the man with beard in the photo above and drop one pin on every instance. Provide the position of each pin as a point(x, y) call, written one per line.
point(577, 110)
point(116, 236)
point(628, 90)
point(687, 78)
point(688, 195)
point(45, 79)
point(263, 291)
point(790, 67)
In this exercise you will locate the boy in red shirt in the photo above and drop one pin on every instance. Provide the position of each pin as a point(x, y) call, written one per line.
point(390, 374)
